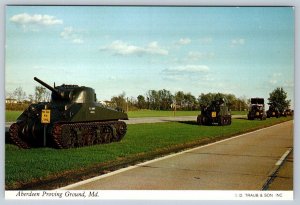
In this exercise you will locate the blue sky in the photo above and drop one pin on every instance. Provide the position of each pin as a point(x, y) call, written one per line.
point(246, 51)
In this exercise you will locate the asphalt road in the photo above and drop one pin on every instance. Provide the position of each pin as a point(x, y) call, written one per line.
point(283, 179)
point(246, 162)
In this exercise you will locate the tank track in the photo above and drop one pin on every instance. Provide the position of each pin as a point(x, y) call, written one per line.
point(222, 120)
point(69, 135)
point(15, 137)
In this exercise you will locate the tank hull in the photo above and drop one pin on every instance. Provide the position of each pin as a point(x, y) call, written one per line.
point(257, 109)
point(80, 124)
point(272, 113)
point(218, 120)
point(253, 114)
point(217, 113)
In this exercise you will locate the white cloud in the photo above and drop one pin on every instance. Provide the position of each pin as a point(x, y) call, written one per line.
point(237, 42)
point(288, 84)
point(35, 19)
point(67, 32)
point(184, 41)
point(275, 78)
point(71, 35)
point(206, 40)
point(187, 70)
point(77, 40)
point(191, 73)
point(194, 55)
point(122, 48)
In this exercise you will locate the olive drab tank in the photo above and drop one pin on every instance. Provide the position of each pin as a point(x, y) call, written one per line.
point(257, 109)
point(217, 113)
point(76, 120)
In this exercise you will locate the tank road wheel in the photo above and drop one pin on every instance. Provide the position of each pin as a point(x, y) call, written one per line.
point(106, 138)
point(113, 132)
point(199, 120)
point(97, 135)
point(86, 134)
point(79, 137)
point(221, 121)
point(204, 120)
point(121, 130)
point(225, 121)
point(66, 138)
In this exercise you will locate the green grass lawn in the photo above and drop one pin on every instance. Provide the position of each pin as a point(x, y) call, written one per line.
point(160, 113)
point(141, 140)
point(11, 116)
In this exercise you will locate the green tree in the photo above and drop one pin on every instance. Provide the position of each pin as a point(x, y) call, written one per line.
point(205, 99)
point(19, 94)
point(153, 100)
point(40, 93)
point(190, 101)
point(278, 97)
point(119, 101)
point(165, 99)
point(141, 102)
point(179, 99)
point(232, 101)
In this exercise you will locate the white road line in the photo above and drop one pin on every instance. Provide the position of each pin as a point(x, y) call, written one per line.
point(158, 159)
point(279, 162)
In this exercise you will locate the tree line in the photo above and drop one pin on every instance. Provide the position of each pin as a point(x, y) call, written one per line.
point(154, 100)
point(165, 100)
point(18, 100)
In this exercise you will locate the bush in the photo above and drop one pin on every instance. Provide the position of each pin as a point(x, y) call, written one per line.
point(16, 106)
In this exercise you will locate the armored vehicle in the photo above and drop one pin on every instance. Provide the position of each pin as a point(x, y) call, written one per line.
point(217, 113)
point(273, 111)
point(257, 109)
point(287, 112)
point(75, 120)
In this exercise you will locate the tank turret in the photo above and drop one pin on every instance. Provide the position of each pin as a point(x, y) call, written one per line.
point(76, 120)
point(216, 113)
point(257, 109)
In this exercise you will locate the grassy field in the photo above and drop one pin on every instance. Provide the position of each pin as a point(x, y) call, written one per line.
point(159, 113)
point(11, 116)
point(142, 141)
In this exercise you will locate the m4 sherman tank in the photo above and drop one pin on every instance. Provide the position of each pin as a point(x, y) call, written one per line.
point(257, 109)
point(273, 111)
point(76, 120)
point(216, 113)
point(287, 112)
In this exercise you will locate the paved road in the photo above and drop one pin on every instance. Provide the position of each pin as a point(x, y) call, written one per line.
point(245, 162)
point(283, 179)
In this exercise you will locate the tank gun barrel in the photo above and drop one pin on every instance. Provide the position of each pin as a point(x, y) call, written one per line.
point(46, 85)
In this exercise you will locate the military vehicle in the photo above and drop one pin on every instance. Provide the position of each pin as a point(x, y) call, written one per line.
point(273, 111)
point(74, 117)
point(217, 113)
point(287, 112)
point(257, 109)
